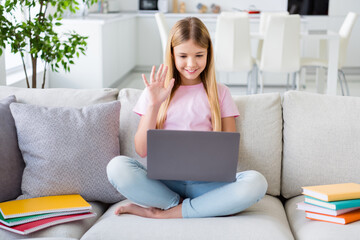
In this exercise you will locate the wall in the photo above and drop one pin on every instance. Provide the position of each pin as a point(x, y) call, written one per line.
point(2, 70)
point(342, 7)
point(265, 5)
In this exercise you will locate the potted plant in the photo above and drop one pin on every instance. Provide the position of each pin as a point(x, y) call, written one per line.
point(35, 34)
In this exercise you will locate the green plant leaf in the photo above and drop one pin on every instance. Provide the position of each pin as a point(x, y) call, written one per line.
point(36, 35)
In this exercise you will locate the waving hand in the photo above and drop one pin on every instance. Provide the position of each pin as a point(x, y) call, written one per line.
point(157, 91)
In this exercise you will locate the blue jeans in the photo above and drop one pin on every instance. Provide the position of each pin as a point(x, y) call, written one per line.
point(201, 199)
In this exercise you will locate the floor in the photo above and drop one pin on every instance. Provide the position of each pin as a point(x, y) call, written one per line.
point(134, 80)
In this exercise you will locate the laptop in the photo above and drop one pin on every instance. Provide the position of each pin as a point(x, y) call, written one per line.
point(192, 155)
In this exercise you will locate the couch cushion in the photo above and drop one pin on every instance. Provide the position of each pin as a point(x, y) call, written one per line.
point(304, 229)
point(60, 97)
point(11, 161)
point(129, 122)
point(259, 124)
point(260, 127)
point(321, 140)
point(264, 220)
point(65, 231)
point(66, 150)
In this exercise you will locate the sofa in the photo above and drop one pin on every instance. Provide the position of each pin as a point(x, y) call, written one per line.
point(295, 139)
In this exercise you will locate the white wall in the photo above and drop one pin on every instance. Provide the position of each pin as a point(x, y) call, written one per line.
point(264, 5)
point(2, 70)
point(342, 7)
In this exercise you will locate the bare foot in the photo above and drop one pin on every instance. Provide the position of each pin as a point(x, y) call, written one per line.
point(137, 210)
point(151, 212)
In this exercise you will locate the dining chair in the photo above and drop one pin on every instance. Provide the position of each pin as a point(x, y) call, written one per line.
point(344, 34)
point(281, 48)
point(232, 45)
point(263, 24)
point(163, 30)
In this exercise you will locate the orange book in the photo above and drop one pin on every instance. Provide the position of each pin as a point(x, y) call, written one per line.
point(333, 192)
point(340, 219)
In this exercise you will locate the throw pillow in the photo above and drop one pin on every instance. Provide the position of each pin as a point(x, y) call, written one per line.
point(66, 150)
point(11, 161)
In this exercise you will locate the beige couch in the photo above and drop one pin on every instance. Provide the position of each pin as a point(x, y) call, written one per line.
point(298, 140)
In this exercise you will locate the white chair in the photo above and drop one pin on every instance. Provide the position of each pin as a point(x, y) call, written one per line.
point(232, 44)
point(281, 49)
point(344, 33)
point(263, 24)
point(163, 30)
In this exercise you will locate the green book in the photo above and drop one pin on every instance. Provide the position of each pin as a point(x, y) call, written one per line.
point(21, 220)
point(334, 205)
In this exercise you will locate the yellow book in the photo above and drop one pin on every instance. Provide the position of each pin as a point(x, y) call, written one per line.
point(333, 192)
point(40, 205)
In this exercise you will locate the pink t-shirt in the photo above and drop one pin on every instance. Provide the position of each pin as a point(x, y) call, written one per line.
point(189, 108)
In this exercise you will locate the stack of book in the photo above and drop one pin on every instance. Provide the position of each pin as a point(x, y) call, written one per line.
point(30, 215)
point(335, 203)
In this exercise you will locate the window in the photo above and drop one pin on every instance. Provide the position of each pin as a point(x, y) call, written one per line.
point(13, 61)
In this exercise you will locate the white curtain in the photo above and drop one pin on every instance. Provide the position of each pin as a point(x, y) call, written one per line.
point(2, 70)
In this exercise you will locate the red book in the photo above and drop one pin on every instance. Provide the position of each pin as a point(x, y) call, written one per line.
point(30, 227)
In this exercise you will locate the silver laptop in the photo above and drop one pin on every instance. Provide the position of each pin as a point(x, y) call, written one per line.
point(192, 155)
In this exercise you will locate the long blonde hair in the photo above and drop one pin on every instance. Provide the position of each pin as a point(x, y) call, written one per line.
point(184, 30)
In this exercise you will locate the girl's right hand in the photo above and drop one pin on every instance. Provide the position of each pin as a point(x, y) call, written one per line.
point(157, 91)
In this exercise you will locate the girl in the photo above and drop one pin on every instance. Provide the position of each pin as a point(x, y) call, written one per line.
point(184, 95)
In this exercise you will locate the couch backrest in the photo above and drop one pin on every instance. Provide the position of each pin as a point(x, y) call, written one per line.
point(60, 97)
point(259, 124)
point(260, 127)
point(129, 122)
point(321, 141)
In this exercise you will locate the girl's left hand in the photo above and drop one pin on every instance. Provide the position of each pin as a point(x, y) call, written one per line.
point(157, 91)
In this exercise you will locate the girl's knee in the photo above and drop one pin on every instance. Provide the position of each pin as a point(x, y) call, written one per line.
point(118, 166)
point(260, 182)
point(257, 182)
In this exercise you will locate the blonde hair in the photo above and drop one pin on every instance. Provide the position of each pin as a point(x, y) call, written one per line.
point(184, 30)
